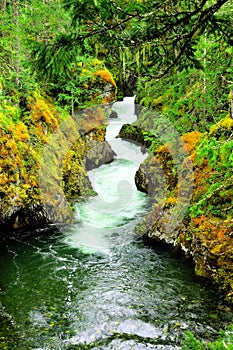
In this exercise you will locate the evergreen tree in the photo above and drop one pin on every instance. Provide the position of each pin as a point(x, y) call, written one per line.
point(171, 29)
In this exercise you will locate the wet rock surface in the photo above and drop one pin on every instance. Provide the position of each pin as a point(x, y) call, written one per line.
point(99, 153)
point(113, 114)
point(205, 239)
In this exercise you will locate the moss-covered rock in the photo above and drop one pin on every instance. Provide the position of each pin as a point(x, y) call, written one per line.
point(205, 233)
point(98, 153)
point(135, 133)
point(98, 83)
point(108, 85)
point(27, 136)
point(75, 180)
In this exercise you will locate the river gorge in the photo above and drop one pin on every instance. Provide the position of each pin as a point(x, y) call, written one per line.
point(91, 284)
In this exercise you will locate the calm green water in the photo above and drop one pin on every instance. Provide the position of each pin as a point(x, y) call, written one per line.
point(91, 286)
point(57, 297)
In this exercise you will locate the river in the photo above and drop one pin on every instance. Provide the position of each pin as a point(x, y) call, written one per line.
point(91, 285)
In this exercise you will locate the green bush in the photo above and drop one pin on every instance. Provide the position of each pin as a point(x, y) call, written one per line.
point(224, 342)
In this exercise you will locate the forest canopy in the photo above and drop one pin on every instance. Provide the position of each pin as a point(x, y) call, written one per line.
point(47, 42)
point(171, 30)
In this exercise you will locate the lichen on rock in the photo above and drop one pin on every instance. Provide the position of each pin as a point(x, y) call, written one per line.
point(25, 135)
point(205, 233)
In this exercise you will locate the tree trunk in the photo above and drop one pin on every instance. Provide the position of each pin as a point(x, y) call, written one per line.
point(3, 5)
point(231, 101)
point(15, 6)
point(204, 84)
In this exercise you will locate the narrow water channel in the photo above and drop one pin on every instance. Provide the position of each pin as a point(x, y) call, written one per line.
point(92, 286)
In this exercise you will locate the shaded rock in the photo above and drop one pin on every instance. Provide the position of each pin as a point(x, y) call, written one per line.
point(127, 85)
point(16, 218)
point(75, 180)
point(133, 133)
point(158, 176)
point(113, 114)
point(99, 153)
point(204, 236)
point(138, 108)
point(150, 178)
point(141, 180)
point(164, 226)
point(210, 246)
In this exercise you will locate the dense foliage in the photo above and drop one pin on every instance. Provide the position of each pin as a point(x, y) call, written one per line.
point(51, 42)
point(225, 341)
point(33, 105)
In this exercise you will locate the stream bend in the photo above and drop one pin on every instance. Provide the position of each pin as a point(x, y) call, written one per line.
point(86, 289)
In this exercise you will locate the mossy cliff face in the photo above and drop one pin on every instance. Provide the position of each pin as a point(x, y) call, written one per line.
point(205, 233)
point(211, 215)
point(25, 137)
point(21, 143)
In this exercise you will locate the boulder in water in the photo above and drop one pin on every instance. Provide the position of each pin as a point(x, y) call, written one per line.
point(99, 153)
point(113, 114)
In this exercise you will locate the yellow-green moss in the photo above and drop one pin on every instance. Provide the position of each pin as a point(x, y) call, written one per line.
point(225, 123)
